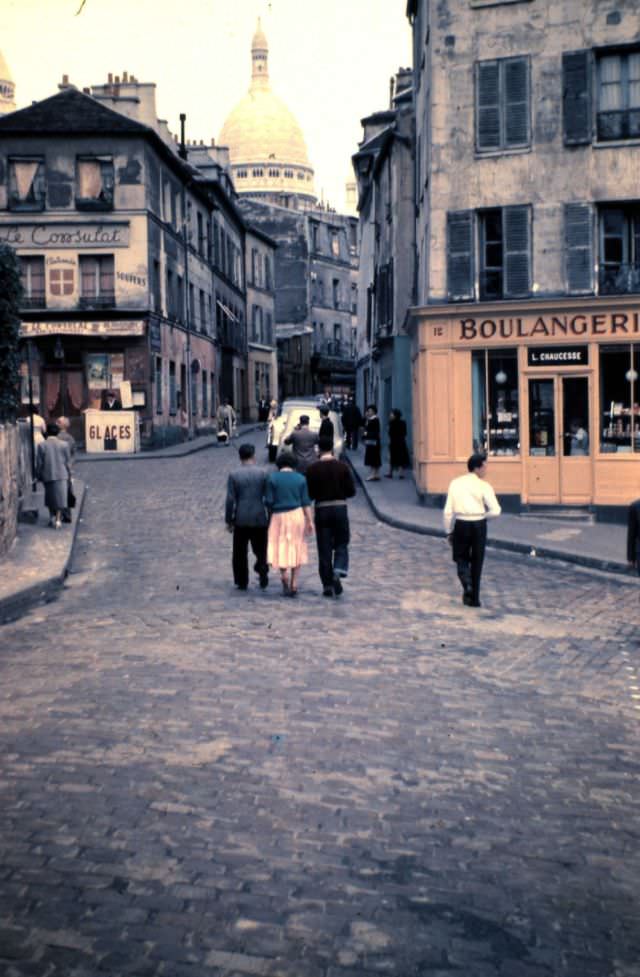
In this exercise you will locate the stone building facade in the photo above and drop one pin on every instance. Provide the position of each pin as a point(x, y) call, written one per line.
point(262, 360)
point(528, 237)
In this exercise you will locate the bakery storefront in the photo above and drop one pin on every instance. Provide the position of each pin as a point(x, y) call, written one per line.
point(550, 392)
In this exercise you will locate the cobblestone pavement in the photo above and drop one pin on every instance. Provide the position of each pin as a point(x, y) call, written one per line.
point(200, 782)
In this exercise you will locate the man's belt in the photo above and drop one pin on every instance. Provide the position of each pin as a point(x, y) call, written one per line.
point(322, 505)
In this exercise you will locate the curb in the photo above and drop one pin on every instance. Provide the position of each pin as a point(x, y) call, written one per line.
point(541, 552)
point(160, 454)
point(47, 589)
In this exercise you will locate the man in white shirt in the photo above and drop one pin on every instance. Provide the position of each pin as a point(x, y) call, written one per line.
point(470, 502)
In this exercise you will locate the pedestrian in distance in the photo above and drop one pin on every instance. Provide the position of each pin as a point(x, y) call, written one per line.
point(470, 502)
point(54, 471)
point(372, 443)
point(352, 421)
point(330, 484)
point(398, 451)
point(633, 535)
point(246, 517)
point(225, 422)
point(287, 499)
point(303, 442)
point(326, 425)
point(64, 435)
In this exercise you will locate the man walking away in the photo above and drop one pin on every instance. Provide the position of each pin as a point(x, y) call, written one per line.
point(303, 442)
point(246, 517)
point(352, 421)
point(470, 502)
point(633, 535)
point(330, 485)
point(326, 425)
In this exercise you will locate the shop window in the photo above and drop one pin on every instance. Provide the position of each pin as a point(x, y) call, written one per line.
point(97, 281)
point(496, 424)
point(26, 183)
point(62, 281)
point(94, 183)
point(502, 104)
point(158, 381)
point(619, 249)
point(620, 398)
point(542, 429)
point(618, 77)
point(173, 393)
point(32, 280)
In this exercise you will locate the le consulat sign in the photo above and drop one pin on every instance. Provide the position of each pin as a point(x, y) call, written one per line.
point(98, 234)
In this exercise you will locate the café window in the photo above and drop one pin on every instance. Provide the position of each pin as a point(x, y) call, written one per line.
point(26, 184)
point(496, 414)
point(97, 288)
point(94, 183)
point(620, 398)
point(32, 280)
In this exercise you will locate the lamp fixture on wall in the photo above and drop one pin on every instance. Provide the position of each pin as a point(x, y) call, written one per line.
point(501, 377)
point(631, 375)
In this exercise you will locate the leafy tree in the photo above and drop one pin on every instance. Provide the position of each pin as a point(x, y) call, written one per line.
point(10, 297)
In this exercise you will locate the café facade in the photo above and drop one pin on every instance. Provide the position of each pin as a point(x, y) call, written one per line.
point(549, 390)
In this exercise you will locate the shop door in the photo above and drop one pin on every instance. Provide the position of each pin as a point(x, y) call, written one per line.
point(559, 465)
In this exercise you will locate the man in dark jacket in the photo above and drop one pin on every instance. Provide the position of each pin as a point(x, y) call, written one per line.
point(352, 421)
point(246, 518)
point(633, 535)
point(326, 425)
point(330, 484)
point(303, 441)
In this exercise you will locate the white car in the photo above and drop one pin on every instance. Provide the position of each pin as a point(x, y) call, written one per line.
point(315, 419)
point(275, 428)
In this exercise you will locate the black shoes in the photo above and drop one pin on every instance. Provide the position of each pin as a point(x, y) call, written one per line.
point(327, 592)
point(469, 601)
point(337, 586)
point(264, 581)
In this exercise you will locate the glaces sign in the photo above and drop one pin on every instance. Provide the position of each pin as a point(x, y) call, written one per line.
point(71, 235)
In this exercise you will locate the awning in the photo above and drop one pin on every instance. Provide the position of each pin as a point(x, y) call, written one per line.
point(227, 311)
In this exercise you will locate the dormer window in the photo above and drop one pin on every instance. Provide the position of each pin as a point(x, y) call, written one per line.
point(94, 183)
point(26, 183)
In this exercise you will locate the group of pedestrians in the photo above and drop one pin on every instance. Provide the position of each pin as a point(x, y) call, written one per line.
point(276, 513)
point(55, 448)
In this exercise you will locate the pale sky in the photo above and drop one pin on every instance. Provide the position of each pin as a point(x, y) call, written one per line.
point(329, 60)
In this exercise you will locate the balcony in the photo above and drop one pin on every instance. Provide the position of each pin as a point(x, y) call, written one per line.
point(621, 279)
point(333, 349)
point(38, 301)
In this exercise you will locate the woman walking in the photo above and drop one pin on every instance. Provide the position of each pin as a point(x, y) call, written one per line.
point(287, 499)
point(373, 444)
point(54, 470)
point(398, 451)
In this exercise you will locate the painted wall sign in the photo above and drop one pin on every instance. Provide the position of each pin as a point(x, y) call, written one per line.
point(558, 356)
point(111, 431)
point(550, 326)
point(71, 235)
point(124, 327)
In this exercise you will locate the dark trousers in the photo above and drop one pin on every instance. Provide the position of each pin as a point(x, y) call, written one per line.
point(469, 541)
point(257, 537)
point(332, 539)
point(351, 438)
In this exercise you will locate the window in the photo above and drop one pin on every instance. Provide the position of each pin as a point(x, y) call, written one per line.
point(171, 298)
point(494, 385)
point(254, 323)
point(269, 330)
point(156, 303)
point(254, 266)
point(212, 399)
point(194, 391)
point(335, 243)
point(26, 184)
point(96, 281)
point(335, 284)
point(619, 250)
point(179, 310)
point(502, 104)
point(619, 96)
point(62, 281)
point(267, 272)
point(504, 260)
point(173, 393)
point(205, 394)
point(313, 227)
point(619, 396)
point(201, 247)
point(32, 280)
point(158, 381)
point(94, 183)
point(203, 312)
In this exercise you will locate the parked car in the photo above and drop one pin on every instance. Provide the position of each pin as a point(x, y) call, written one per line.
point(276, 427)
point(315, 418)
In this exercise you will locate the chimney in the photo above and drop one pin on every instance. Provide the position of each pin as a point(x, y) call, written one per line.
point(182, 151)
point(87, 91)
point(117, 79)
point(65, 79)
point(110, 78)
point(125, 77)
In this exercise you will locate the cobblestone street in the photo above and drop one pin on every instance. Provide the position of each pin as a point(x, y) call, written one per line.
point(197, 781)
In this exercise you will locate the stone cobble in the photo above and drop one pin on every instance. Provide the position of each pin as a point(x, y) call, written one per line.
point(197, 781)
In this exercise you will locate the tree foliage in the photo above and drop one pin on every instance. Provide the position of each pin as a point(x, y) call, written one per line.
point(10, 297)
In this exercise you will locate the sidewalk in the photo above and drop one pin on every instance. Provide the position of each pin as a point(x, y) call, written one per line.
point(37, 565)
point(601, 546)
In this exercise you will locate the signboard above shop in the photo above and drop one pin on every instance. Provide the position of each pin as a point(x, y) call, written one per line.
point(558, 356)
point(97, 234)
point(114, 327)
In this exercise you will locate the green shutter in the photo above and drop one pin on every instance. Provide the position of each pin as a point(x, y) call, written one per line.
point(488, 105)
point(576, 97)
point(460, 255)
point(578, 233)
point(516, 102)
point(517, 251)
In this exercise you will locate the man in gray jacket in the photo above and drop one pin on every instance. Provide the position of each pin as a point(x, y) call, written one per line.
point(303, 441)
point(246, 518)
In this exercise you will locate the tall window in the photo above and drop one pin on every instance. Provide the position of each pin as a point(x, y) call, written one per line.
point(504, 259)
point(335, 285)
point(620, 398)
point(496, 425)
point(619, 96)
point(173, 393)
point(26, 183)
point(97, 281)
point(619, 249)
point(203, 312)
point(94, 183)
point(205, 394)
point(158, 381)
point(269, 330)
point(267, 272)
point(32, 279)
point(502, 104)
point(171, 297)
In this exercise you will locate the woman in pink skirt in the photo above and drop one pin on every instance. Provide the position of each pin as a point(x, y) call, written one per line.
point(288, 501)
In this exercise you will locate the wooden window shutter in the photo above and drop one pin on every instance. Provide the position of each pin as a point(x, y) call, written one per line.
point(516, 223)
point(578, 234)
point(488, 105)
point(516, 102)
point(576, 97)
point(460, 255)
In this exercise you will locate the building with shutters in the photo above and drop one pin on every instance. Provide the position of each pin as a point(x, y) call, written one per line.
point(526, 337)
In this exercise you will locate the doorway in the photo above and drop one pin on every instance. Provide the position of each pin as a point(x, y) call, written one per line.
point(559, 469)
